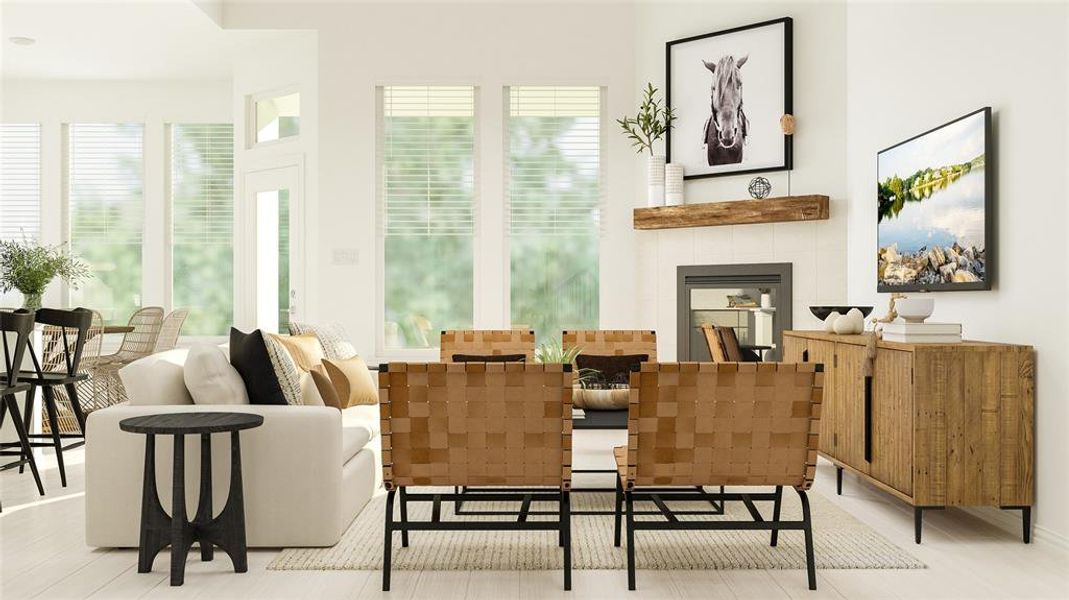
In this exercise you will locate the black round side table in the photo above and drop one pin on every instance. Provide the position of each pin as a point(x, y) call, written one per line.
point(159, 530)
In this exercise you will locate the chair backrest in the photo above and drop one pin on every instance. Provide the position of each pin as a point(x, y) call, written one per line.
point(729, 341)
point(94, 342)
point(171, 329)
point(724, 424)
point(142, 340)
point(15, 327)
point(715, 344)
point(612, 342)
point(63, 339)
point(487, 342)
point(476, 424)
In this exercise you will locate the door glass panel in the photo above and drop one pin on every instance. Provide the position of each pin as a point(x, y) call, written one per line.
point(273, 260)
point(751, 312)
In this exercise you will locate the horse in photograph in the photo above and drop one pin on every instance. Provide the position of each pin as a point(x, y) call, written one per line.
point(727, 127)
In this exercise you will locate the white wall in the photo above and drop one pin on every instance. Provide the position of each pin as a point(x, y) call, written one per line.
point(55, 102)
point(815, 248)
point(361, 46)
point(957, 58)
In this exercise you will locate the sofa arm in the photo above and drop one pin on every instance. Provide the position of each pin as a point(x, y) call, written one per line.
point(291, 468)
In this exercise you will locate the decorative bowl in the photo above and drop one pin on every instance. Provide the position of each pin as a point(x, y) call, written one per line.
point(822, 312)
point(914, 310)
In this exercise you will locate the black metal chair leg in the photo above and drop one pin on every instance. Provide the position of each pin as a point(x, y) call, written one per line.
point(53, 421)
point(24, 442)
point(618, 514)
point(387, 546)
point(566, 530)
point(630, 503)
point(775, 513)
point(404, 518)
point(807, 528)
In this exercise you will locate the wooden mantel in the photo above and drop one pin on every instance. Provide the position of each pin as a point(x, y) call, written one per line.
point(780, 209)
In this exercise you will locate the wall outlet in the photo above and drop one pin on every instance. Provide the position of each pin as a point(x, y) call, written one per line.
point(345, 256)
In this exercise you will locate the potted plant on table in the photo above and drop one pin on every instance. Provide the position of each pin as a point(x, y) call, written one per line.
point(649, 125)
point(29, 267)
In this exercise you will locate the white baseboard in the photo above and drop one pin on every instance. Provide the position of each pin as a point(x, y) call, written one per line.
point(1010, 521)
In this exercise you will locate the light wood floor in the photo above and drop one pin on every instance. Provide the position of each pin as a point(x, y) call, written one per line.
point(42, 555)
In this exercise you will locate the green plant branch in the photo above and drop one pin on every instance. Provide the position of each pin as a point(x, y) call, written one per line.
point(29, 267)
point(650, 123)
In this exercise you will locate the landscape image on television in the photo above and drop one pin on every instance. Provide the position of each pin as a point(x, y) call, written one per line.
point(932, 194)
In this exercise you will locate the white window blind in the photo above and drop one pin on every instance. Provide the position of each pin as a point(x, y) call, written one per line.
point(20, 181)
point(106, 181)
point(554, 170)
point(202, 224)
point(427, 158)
point(428, 153)
point(105, 194)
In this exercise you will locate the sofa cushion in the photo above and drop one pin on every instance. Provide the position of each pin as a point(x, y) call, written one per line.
point(248, 354)
point(353, 381)
point(157, 379)
point(327, 394)
point(336, 345)
point(286, 371)
point(354, 436)
point(211, 379)
point(304, 349)
point(365, 416)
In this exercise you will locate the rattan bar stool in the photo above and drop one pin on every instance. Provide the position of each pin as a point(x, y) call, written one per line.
point(731, 424)
point(507, 425)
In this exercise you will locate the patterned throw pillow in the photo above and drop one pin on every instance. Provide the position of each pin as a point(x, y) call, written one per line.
point(335, 343)
point(289, 377)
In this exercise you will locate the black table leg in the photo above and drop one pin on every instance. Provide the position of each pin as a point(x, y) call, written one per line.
point(155, 524)
point(204, 505)
point(228, 529)
point(180, 530)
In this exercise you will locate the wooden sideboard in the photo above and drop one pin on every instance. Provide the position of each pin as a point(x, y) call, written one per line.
point(936, 425)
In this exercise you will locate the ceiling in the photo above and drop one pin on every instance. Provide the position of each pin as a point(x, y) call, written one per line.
point(129, 40)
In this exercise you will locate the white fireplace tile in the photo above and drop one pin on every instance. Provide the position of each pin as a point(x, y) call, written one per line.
point(794, 237)
point(752, 239)
point(715, 245)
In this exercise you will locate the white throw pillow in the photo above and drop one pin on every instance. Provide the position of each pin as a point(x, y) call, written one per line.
point(156, 380)
point(211, 379)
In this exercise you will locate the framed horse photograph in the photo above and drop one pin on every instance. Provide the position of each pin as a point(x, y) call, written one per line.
point(728, 90)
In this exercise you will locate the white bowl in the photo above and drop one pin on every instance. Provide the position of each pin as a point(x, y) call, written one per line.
point(915, 310)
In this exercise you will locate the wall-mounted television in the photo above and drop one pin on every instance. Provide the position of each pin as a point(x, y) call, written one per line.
point(935, 200)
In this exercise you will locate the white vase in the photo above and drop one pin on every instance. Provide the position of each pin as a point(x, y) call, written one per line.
point(655, 181)
point(673, 184)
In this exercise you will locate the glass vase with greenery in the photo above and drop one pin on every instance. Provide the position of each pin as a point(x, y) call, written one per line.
point(29, 267)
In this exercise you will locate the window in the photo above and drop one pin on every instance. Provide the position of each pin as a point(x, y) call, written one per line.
point(278, 117)
point(554, 197)
point(202, 225)
point(427, 192)
point(105, 180)
point(20, 181)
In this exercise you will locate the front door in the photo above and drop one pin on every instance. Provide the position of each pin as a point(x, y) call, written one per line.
point(274, 237)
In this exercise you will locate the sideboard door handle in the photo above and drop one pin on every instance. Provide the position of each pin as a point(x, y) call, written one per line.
point(868, 418)
point(805, 355)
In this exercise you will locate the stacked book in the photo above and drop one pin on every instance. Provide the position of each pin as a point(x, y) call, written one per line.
point(922, 333)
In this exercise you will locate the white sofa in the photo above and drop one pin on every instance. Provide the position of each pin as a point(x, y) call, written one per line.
point(307, 471)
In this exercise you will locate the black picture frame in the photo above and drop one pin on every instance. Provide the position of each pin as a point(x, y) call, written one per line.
point(990, 245)
point(788, 96)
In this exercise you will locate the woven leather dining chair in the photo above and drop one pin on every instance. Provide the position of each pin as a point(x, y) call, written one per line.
point(476, 424)
point(732, 424)
point(15, 328)
point(487, 342)
point(612, 341)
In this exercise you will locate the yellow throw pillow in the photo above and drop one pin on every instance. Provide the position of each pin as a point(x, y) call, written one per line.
point(325, 387)
point(352, 381)
point(305, 349)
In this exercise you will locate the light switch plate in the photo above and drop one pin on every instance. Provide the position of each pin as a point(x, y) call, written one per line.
point(345, 256)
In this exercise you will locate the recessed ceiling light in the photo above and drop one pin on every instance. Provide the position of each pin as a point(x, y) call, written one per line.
point(21, 40)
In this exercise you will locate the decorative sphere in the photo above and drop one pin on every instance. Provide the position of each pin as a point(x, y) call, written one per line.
point(759, 188)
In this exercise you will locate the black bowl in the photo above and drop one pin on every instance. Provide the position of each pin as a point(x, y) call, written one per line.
point(822, 312)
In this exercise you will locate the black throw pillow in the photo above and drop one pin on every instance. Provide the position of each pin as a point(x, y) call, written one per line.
point(489, 358)
point(615, 368)
point(248, 355)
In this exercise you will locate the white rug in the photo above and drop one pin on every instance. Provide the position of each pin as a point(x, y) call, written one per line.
point(841, 542)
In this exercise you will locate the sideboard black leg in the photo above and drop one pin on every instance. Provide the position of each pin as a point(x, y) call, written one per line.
point(917, 519)
point(1026, 523)
point(838, 481)
point(179, 527)
point(204, 504)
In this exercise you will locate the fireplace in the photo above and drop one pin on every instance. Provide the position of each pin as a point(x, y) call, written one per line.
point(755, 300)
